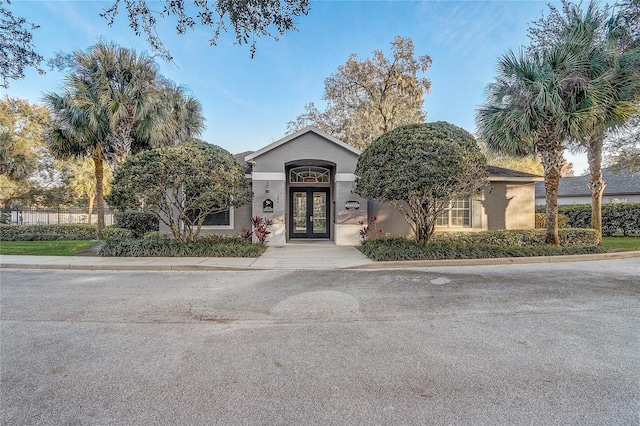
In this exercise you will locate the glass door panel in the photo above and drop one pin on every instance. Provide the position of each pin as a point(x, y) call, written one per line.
point(319, 212)
point(299, 213)
point(309, 213)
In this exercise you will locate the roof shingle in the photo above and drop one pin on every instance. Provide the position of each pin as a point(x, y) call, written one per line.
point(624, 183)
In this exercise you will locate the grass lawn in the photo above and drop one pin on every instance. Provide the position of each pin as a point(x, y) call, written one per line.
point(621, 243)
point(45, 248)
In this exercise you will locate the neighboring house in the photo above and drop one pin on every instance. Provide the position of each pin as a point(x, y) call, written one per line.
point(620, 188)
point(305, 183)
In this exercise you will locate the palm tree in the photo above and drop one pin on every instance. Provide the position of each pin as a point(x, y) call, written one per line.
point(615, 70)
point(75, 133)
point(125, 84)
point(83, 182)
point(612, 75)
point(536, 103)
point(614, 112)
point(113, 103)
point(182, 114)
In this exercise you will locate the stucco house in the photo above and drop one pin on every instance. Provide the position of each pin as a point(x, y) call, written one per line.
point(620, 188)
point(305, 183)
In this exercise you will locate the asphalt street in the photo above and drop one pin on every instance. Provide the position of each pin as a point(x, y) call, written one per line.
point(539, 344)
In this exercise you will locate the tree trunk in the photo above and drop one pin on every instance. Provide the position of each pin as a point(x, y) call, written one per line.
point(422, 229)
point(596, 184)
point(99, 172)
point(120, 139)
point(552, 163)
point(419, 217)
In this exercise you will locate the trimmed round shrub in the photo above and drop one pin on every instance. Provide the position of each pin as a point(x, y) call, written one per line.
point(139, 223)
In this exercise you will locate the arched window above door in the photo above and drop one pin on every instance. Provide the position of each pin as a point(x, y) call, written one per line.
point(309, 174)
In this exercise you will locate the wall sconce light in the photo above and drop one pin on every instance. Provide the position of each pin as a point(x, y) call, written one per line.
point(266, 188)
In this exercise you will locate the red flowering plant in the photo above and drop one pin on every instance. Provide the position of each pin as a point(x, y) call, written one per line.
point(368, 228)
point(260, 230)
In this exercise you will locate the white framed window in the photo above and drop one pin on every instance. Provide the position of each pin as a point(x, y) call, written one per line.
point(219, 220)
point(457, 215)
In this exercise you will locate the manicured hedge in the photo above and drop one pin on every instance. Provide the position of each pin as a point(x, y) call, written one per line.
point(519, 237)
point(139, 223)
point(616, 217)
point(541, 221)
point(162, 246)
point(388, 249)
point(48, 232)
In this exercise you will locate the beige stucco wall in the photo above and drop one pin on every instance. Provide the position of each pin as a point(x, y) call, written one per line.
point(502, 205)
point(269, 174)
point(275, 191)
point(347, 227)
point(510, 205)
point(389, 219)
point(394, 223)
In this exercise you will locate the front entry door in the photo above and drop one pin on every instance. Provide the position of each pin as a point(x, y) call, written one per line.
point(309, 213)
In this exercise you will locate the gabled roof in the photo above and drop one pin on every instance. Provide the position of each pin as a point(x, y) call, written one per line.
point(240, 159)
point(502, 174)
point(495, 173)
point(292, 136)
point(623, 183)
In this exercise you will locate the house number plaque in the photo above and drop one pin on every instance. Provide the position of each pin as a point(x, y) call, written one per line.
point(267, 206)
point(352, 205)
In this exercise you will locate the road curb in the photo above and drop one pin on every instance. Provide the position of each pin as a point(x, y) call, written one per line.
point(405, 264)
point(132, 266)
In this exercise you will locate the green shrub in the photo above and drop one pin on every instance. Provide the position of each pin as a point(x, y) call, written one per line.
point(541, 221)
point(139, 223)
point(616, 217)
point(163, 246)
point(578, 237)
point(518, 237)
point(402, 249)
point(48, 232)
point(578, 215)
point(621, 217)
point(115, 233)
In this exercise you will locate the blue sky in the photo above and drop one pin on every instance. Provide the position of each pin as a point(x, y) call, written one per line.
point(248, 102)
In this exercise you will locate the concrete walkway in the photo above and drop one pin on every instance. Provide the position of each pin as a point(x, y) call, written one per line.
point(289, 257)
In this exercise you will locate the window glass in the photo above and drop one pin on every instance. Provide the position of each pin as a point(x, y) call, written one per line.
point(222, 218)
point(443, 219)
point(309, 174)
point(457, 215)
